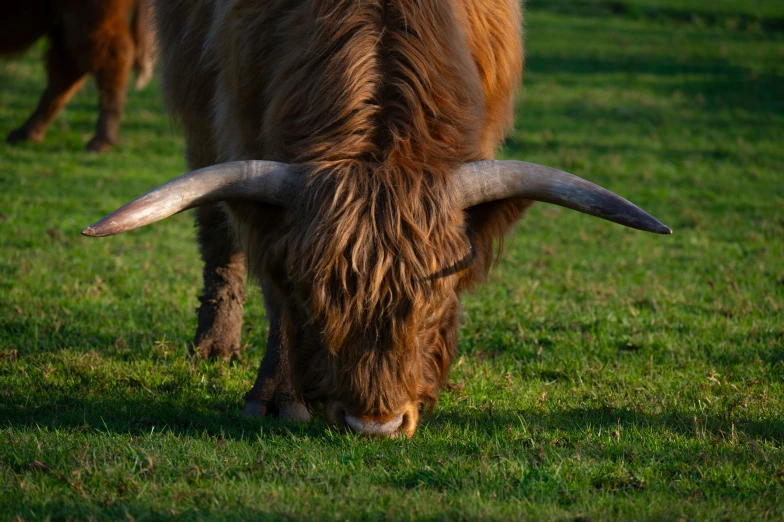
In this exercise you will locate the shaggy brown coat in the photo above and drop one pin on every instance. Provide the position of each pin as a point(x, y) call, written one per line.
point(378, 101)
point(85, 37)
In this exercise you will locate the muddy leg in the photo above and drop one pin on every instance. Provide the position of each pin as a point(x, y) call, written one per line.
point(64, 79)
point(272, 392)
point(218, 334)
point(111, 67)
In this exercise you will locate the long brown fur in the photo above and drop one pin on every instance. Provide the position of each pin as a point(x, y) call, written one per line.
point(377, 101)
point(86, 37)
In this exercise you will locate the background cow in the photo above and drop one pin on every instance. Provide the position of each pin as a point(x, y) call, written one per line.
point(85, 37)
point(373, 208)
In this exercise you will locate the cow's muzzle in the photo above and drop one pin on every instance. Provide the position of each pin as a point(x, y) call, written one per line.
point(402, 424)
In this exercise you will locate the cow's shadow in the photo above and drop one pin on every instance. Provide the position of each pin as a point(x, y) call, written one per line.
point(577, 420)
point(166, 409)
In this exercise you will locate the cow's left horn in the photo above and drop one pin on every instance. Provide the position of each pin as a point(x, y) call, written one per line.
point(486, 181)
point(265, 181)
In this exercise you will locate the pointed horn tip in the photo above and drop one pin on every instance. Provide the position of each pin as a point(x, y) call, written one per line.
point(650, 224)
point(91, 232)
point(659, 228)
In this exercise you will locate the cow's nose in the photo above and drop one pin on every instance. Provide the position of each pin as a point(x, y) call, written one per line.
point(388, 429)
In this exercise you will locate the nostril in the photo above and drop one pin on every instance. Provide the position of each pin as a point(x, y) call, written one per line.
point(354, 423)
point(335, 414)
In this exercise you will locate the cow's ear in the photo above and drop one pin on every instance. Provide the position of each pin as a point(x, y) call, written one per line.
point(488, 181)
point(263, 181)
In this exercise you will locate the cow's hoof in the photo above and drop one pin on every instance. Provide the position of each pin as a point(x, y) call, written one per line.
point(289, 412)
point(23, 134)
point(294, 412)
point(254, 410)
point(215, 349)
point(98, 145)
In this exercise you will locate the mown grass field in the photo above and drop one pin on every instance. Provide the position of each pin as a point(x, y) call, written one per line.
point(604, 373)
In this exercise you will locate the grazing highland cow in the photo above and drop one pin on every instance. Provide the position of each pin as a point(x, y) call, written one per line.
point(342, 151)
point(85, 37)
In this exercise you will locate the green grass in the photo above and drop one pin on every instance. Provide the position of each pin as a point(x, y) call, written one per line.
point(604, 373)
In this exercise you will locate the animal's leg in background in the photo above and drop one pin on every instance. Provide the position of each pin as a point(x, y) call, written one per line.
point(111, 65)
point(144, 43)
point(218, 334)
point(272, 392)
point(65, 76)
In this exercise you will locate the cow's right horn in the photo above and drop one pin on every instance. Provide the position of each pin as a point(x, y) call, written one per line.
point(486, 181)
point(265, 181)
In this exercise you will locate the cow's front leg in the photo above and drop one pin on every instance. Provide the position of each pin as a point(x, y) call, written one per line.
point(218, 335)
point(272, 393)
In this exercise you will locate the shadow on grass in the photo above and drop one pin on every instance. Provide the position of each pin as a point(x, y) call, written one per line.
point(30, 337)
point(574, 421)
point(727, 85)
point(137, 415)
point(701, 16)
point(519, 147)
point(128, 509)
point(140, 410)
point(110, 334)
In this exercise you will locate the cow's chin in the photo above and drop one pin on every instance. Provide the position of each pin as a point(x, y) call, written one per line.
point(401, 424)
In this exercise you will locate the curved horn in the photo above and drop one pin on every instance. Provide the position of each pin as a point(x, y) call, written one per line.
point(265, 181)
point(486, 181)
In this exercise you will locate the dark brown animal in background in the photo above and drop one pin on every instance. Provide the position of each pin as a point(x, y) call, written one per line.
point(86, 37)
point(356, 190)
